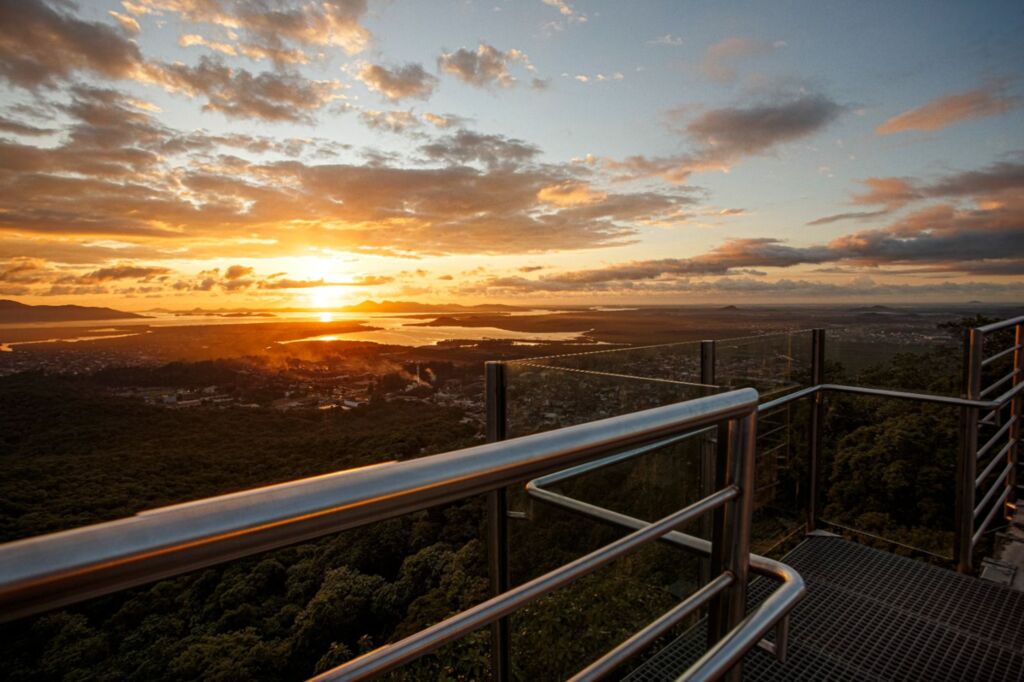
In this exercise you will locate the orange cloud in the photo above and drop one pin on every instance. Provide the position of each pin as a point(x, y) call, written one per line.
point(945, 111)
point(570, 194)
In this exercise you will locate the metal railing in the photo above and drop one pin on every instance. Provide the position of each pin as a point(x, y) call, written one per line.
point(45, 572)
point(998, 455)
point(41, 573)
point(987, 471)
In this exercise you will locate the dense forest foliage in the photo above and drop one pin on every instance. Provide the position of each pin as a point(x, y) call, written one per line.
point(71, 454)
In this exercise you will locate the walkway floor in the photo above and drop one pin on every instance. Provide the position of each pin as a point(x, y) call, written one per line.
point(870, 615)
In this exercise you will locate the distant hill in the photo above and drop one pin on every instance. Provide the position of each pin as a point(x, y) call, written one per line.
point(12, 311)
point(414, 307)
point(875, 309)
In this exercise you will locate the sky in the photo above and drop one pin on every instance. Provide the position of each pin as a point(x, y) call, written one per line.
point(312, 153)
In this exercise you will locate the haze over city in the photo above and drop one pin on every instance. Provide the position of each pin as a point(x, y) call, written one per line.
point(207, 153)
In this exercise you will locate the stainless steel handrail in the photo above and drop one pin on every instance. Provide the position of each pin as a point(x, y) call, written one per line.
point(391, 656)
point(783, 599)
point(40, 573)
point(1001, 324)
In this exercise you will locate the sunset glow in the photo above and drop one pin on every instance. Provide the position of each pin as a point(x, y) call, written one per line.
point(184, 153)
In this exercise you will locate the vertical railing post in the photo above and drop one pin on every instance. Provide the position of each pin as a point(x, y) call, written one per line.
point(817, 425)
point(735, 557)
point(708, 451)
point(967, 457)
point(1016, 408)
point(496, 392)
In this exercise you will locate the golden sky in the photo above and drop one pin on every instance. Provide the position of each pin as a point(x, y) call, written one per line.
point(220, 153)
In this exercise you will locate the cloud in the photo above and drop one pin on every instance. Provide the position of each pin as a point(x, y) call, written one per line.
point(40, 45)
point(730, 133)
point(390, 121)
point(444, 122)
point(235, 92)
point(721, 60)
point(747, 288)
point(667, 39)
point(120, 185)
point(987, 183)
point(570, 194)
point(990, 100)
point(402, 82)
point(136, 272)
point(128, 24)
point(938, 239)
point(237, 272)
point(724, 136)
point(279, 31)
point(483, 68)
point(851, 215)
point(569, 15)
point(493, 151)
point(365, 281)
point(11, 126)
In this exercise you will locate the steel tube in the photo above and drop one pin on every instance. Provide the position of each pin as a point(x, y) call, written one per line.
point(728, 653)
point(736, 557)
point(640, 641)
point(1006, 377)
point(909, 395)
point(995, 438)
point(388, 657)
point(1016, 410)
point(991, 515)
point(992, 465)
point(53, 570)
point(816, 426)
point(1001, 354)
point(1002, 324)
point(992, 491)
point(496, 399)
point(967, 456)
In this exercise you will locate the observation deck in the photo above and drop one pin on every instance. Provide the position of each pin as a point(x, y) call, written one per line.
point(871, 616)
point(740, 426)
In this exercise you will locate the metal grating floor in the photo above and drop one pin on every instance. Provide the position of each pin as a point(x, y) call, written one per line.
point(870, 615)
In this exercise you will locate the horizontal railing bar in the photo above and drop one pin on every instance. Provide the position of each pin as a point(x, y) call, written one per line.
point(993, 386)
point(1002, 324)
point(788, 398)
point(996, 459)
point(535, 488)
point(991, 515)
point(614, 375)
point(992, 491)
point(907, 395)
point(1001, 354)
point(792, 590)
point(896, 543)
point(1005, 396)
point(995, 438)
point(48, 571)
point(771, 432)
point(729, 650)
point(423, 642)
point(772, 449)
point(640, 641)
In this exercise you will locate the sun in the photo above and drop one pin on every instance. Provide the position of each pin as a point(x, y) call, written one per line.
point(323, 297)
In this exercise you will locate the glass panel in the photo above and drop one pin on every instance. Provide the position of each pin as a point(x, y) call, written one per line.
point(888, 469)
point(282, 615)
point(564, 632)
point(911, 359)
point(672, 361)
point(773, 363)
point(781, 477)
point(542, 397)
